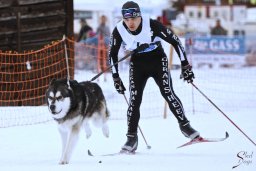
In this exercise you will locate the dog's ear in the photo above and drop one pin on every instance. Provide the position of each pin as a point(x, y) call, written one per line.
point(75, 82)
point(52, 81)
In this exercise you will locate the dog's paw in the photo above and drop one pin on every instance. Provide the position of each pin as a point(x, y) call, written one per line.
point(88, 135)
point(105, 130)
point(63, 162)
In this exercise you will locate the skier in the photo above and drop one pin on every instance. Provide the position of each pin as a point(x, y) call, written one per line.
point(142, 35)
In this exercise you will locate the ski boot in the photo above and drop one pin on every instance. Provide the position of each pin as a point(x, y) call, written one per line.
point(188, 131)
point(131, 144)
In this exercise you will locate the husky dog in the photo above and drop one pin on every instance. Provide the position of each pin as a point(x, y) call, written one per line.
point(72, 106)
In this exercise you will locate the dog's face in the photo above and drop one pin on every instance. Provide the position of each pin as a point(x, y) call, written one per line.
point(58, 98)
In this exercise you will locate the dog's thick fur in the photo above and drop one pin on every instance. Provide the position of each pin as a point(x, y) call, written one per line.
point(72, 105)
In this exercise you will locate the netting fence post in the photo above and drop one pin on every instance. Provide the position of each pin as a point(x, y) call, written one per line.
point(190, 45)
point(66, 56)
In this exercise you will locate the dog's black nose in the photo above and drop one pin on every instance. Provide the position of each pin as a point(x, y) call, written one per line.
point(52, 107)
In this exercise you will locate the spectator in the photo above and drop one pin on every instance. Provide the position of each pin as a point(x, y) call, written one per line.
point(218, 29)
point(103, 29)
point(84, 31)
point(101, 41)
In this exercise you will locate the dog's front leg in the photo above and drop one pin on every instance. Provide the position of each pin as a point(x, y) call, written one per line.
point(105, 130)
point(64, 137)
point(71, 139)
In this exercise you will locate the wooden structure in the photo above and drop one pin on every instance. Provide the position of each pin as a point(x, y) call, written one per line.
point(32, 24)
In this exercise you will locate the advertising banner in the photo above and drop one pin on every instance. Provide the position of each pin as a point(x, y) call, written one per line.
point(220, 50)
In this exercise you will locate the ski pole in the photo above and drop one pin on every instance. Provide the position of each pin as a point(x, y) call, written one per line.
point(123, 58)
point(138, 49)
point(223, 113)
point(148, 146)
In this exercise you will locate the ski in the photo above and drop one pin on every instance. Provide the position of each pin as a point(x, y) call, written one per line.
point(113, 154)
point(201, 140)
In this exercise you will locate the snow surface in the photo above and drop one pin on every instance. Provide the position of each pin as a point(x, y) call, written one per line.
point(38, 147)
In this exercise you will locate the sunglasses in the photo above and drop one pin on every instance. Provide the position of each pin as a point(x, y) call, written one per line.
point(131, 13)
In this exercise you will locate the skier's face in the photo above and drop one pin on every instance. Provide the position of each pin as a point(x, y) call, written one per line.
point(132, 23)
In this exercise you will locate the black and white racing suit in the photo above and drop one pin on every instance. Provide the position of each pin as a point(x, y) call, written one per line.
point(152, 62)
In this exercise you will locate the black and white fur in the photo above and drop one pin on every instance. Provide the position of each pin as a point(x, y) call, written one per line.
point(72, 105)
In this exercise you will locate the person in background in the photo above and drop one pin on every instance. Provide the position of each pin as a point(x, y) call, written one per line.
point(143, 35)
point(218, 30)
point(103, 28)
point(84, 31)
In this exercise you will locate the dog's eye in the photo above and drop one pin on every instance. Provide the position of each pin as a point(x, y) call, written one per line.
point(60, 98)
point(51, 98)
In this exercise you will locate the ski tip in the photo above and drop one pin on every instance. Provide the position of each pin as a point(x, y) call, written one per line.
point(227, 135)
point(89, 152)
point(179, 146)
point(201, 139)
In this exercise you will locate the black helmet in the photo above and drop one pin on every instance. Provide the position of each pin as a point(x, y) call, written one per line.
point(131, 9)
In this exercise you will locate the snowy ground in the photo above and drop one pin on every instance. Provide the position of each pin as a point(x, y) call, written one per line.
point(38, 147)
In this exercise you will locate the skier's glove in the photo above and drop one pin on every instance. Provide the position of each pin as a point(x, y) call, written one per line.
point(187, 73)
point(118, 83)
point(141, 47)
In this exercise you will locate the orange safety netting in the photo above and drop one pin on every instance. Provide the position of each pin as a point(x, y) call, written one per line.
point(24, 77)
